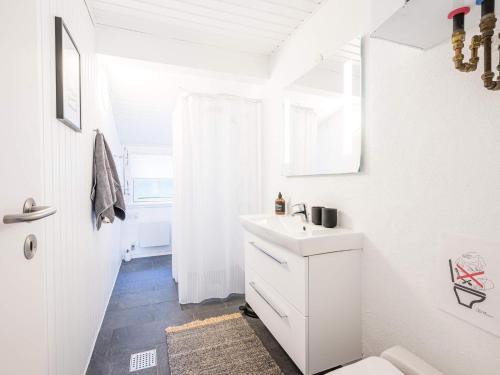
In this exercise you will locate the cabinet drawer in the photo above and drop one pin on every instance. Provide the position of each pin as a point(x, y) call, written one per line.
point(286, 324)
point(283, 270)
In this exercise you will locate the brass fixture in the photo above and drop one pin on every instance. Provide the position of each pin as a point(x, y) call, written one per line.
point(487, 28)
point(458, 39)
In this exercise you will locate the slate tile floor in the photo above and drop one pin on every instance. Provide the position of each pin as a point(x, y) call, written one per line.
point(144, 302)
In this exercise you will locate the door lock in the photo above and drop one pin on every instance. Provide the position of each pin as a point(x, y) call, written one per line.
point(30, 245)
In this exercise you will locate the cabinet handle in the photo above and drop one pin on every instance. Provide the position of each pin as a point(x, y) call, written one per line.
point(266, 299)
point(280, 261)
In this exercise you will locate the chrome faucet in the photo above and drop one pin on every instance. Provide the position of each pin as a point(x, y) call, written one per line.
point(301, 211)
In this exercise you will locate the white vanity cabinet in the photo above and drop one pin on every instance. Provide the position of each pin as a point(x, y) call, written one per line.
point(311, 304)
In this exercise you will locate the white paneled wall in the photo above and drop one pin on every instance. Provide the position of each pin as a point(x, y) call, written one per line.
point(82, 263)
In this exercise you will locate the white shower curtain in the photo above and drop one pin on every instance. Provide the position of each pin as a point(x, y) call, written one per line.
point(216, 178)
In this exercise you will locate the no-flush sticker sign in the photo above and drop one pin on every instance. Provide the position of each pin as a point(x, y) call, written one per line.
point(469, 269)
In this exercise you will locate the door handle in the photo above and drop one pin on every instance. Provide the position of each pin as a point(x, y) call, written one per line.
point(31, 212)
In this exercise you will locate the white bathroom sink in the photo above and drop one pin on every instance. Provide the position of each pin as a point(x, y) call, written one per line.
point(303, 238)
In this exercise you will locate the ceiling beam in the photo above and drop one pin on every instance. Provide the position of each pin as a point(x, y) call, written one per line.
point(135, 45)
point(335, 24)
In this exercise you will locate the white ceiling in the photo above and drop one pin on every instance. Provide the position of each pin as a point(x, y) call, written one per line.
point(253, 26)
point(143, 98)
point(143, 95)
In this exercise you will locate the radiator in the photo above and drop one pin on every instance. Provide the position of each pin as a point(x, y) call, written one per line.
point(156, 233)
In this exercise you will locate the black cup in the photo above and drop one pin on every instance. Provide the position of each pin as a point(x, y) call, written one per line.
point(316, 215)
point(329, 217)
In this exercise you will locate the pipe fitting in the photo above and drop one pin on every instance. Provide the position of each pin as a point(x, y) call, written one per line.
point(458, 39)
point(487, 28)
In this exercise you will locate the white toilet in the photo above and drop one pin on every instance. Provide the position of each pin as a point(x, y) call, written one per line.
point(394, 361)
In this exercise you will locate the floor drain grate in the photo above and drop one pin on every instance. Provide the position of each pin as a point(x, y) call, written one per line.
point(140, 361)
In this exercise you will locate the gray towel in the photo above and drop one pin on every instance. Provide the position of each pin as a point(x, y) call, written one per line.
point(107, 196)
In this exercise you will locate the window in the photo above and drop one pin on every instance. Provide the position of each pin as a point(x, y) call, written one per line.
point(150, 176)
point(153, 190)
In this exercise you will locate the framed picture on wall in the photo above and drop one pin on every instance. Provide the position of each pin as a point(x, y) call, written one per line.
point(68, 78)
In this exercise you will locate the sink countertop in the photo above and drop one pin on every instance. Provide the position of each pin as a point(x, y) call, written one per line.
point(304, 239)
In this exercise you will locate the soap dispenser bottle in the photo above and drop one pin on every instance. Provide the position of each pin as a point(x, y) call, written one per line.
point(279, 207)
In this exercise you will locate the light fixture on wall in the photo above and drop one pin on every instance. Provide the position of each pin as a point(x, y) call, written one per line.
point(487, 29)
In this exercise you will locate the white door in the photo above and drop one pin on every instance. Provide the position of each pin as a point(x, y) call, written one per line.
point(23, 324)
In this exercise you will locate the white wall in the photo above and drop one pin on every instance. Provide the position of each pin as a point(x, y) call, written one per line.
point(431, 165)
point(82, 263)
point(146, 215)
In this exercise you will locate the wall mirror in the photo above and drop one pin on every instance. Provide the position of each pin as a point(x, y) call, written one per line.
point(323, 116)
